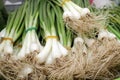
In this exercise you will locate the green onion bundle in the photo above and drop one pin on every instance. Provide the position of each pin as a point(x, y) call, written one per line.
point(13, 31)
point(31, 42)
point(53, 48)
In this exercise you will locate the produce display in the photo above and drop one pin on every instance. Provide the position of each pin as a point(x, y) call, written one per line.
point(60, 40)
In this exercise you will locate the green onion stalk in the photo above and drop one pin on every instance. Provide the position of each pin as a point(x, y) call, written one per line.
point(31, 42)
point(13, 30)
point(53, 48)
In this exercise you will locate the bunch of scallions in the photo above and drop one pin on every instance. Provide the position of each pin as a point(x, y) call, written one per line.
point(54, 30)
point(12, 31)
point(30, 42)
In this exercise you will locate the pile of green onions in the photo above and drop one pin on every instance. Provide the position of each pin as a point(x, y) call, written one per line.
point(40, 27)
point(20, 38)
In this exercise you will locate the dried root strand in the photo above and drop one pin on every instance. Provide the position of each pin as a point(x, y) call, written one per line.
point(98, 62)
point(9, 69)
point(70, 67)
point(20, 70)
point(88, 25)
point(102, 57)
